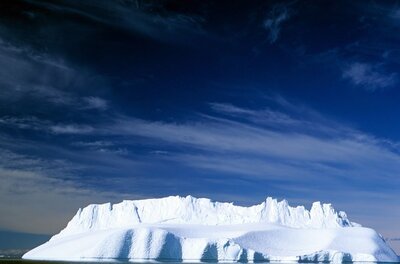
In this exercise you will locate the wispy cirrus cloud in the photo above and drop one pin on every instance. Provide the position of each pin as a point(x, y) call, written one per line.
point(34, 123)
point(93, 102)
point(267, 143)
point(265, 115)
point(277, 147)
point(23, 72)
point(29, 122)
point(278, 15)
point(94, 144)
point(266, 137)
point(266, 151)
point(71, 129)
point(29, 75)
point(370, 77)
point(136, 16)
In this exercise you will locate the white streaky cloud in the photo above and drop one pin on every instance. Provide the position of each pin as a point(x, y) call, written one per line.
point(368, 76)
point(303, 144)
point(259, 168)
point(93, 144)
point(230, 109)
point(170, 27)
point(26, 73)
point(34, 123)
point(237, 137)
point(319, 152)
point(23, 72)
point(263, 116)
point(102, 146)
point(28, 122)
point(50, 94)
point(119, 151)
point(294, 118)
point(71, 129)
point(395, 14)
point(387, 13)
point(93, 102)
point(276, 17)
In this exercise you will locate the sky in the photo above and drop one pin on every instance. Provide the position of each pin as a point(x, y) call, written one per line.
point(235, 101)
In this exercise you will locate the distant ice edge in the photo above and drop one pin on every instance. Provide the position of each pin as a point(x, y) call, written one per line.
point(188, 229)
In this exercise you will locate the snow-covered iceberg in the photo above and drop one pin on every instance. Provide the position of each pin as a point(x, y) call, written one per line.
point(189, 229)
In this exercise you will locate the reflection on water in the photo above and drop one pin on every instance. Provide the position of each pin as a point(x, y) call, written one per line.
point(20, 261)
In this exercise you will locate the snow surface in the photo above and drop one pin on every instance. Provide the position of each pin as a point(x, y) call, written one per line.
point(190, 229)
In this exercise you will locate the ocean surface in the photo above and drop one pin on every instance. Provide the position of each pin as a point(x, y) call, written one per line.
point(21, 261)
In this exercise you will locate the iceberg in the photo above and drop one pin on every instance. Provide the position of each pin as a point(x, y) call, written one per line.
point(189, 229)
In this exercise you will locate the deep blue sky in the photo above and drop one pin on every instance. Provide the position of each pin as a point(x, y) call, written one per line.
point(109, 100)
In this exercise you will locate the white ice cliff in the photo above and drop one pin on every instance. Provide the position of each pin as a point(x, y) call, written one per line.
point(190, 229)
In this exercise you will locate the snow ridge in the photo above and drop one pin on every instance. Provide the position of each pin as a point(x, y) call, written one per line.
point(191, 210)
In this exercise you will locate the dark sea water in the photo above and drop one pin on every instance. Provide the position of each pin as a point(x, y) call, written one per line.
point(21, 261)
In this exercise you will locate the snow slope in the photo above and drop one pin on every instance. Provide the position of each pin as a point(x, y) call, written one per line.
point(191, 229)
